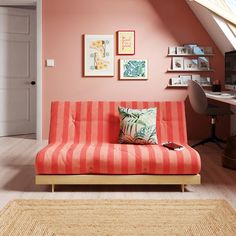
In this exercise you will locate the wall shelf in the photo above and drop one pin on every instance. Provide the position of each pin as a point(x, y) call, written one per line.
point(172, 70)
point(183, 86)
point(197, 68)
point(176, 86)
point(190, 55)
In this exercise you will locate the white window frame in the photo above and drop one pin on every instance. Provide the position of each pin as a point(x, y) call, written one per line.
point(226, 30)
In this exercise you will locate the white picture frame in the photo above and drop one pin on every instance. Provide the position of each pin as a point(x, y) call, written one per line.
point(208, 50)
point(191, 46)
point(175, 81)
point(190, 64)
point(185, 79)
point(203, 63)
point(198, 50)
point(172, 50)
point(196, 78)
point(98, 55)
point(177, 63)
point(205, 81)
point(184, 51)
point(133, 69)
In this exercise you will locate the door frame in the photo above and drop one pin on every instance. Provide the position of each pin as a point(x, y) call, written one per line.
point(39, 96)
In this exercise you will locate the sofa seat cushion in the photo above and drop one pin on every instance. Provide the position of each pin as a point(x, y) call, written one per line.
point(107, 158)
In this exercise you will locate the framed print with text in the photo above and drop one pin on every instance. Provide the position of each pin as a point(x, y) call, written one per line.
point(126, 42)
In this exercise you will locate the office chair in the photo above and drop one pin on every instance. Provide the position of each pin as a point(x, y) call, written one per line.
point(199, 103)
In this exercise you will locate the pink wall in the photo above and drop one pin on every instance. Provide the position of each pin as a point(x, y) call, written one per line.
point(158, 24)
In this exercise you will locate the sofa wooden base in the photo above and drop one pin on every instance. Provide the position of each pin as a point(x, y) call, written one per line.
point(117, 180)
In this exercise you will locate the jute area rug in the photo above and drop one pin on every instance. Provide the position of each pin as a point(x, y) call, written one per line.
point(118, 217)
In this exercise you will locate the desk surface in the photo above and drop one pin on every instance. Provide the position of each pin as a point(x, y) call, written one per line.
point(222, 98)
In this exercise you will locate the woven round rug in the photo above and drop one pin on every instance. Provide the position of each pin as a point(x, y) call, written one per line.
point(117, 217)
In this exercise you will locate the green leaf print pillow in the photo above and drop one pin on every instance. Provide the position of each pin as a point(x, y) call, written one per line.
point(138, 126)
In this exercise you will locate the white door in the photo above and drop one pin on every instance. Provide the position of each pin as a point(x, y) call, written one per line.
point(17, 71)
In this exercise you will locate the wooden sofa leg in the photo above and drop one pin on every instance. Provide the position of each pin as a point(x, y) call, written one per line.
point(53, 188)
point(182, 188)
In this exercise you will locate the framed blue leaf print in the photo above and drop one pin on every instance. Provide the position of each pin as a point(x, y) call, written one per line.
point(135, 69)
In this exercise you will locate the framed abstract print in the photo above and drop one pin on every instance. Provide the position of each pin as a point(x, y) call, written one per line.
point(135, 69)
point(98, 55)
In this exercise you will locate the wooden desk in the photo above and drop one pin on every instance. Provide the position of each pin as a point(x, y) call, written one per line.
point(221, 98)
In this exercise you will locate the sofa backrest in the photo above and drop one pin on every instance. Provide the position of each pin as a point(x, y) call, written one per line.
point(96, 122)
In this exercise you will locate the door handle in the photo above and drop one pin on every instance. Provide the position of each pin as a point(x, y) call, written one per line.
point(32, 82)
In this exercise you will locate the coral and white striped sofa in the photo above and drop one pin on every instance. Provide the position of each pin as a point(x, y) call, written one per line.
point(83, 147)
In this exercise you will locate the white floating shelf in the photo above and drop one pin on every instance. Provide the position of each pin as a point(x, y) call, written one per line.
point(184, 86)
point(190, 55)
point(172, 70)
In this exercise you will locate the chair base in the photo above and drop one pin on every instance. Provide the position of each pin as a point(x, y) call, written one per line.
point(213, 139)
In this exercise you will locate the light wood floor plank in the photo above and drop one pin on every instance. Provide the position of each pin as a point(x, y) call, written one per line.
point(17, 179)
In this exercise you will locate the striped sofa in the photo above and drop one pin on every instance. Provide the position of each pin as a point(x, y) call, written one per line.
point(83, 147)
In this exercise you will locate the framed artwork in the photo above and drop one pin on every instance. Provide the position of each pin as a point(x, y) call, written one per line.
point(190, 47)
point(208, 50)
point(205, 81)
point(203, 63)
point(198, 50)
point(196, 78)
point(175, 81)
point(136, 69)
point(177, 63)
point(98, 55)
point(126, 42)
point(185, 79)
point(190, 64)
point(184, 50)
point(172, 51)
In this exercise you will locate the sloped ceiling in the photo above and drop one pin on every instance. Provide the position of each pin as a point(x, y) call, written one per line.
point(209, 22)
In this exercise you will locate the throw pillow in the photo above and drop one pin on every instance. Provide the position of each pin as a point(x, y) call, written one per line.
point(137, 126)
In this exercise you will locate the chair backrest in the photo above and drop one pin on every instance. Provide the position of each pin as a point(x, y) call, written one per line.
point(197, 97)
point(98, 121)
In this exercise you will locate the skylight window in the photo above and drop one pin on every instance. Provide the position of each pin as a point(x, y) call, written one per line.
point(226, 11)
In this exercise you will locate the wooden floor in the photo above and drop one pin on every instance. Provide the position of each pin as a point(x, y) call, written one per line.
point(17, 179)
